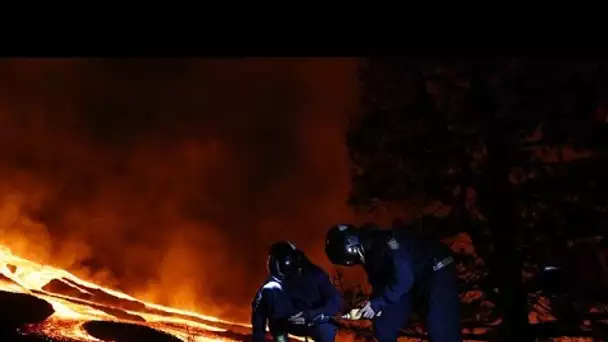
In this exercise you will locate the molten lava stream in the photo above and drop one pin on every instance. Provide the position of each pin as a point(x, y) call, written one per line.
point(61, 329)
point(71, 313)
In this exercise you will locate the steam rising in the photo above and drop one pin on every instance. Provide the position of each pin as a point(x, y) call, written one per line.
point(170, 178)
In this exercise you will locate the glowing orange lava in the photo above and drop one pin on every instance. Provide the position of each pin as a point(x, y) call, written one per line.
point(72, 311)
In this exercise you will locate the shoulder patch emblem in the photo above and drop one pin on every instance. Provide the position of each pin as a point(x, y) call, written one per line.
point(393, 244)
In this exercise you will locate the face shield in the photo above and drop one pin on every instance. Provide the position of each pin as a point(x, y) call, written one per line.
point(344, 252)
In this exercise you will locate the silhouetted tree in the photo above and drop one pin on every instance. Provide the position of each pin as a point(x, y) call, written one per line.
point(513, 148)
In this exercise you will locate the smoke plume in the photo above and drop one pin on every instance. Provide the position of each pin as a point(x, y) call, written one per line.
point(169, 178)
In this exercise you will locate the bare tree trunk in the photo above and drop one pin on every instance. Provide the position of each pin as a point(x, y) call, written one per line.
point(496, 199)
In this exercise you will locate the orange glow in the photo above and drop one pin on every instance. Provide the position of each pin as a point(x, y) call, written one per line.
point(138, 175)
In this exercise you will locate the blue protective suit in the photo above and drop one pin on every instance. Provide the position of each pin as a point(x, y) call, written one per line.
point(400, 266)
point(310, 292)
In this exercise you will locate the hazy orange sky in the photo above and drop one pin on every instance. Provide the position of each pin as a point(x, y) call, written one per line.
point(170, 178)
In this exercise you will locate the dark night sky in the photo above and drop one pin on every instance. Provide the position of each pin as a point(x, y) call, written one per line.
point(169, 178)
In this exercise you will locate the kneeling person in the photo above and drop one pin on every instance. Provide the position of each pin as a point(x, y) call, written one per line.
point(295, 298)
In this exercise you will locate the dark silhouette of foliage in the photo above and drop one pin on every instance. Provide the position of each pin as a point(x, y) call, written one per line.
point(514, 150)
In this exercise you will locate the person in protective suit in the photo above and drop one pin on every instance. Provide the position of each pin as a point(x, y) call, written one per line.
point(295, 298)
point(401, 267)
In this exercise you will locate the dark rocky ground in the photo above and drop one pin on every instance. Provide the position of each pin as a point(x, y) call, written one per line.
point(17, 310)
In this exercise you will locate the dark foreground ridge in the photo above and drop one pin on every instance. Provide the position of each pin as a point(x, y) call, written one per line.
point(18, 309)
point(126, 332)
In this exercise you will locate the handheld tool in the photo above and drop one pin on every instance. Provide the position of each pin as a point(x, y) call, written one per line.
point(352, 315)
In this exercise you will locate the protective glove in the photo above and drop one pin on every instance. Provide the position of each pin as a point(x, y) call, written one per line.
point(297, 319)
point(320, 318)
point(367, 312)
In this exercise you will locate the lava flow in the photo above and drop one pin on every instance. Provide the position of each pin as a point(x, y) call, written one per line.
point(83, 311)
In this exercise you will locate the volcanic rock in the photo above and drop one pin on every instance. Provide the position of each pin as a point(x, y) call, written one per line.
point(64, 288)
point(118, 313)
point(108, 299)
point(124, 332)
point(17, 309)
point(102, 297)
point(11, 268)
